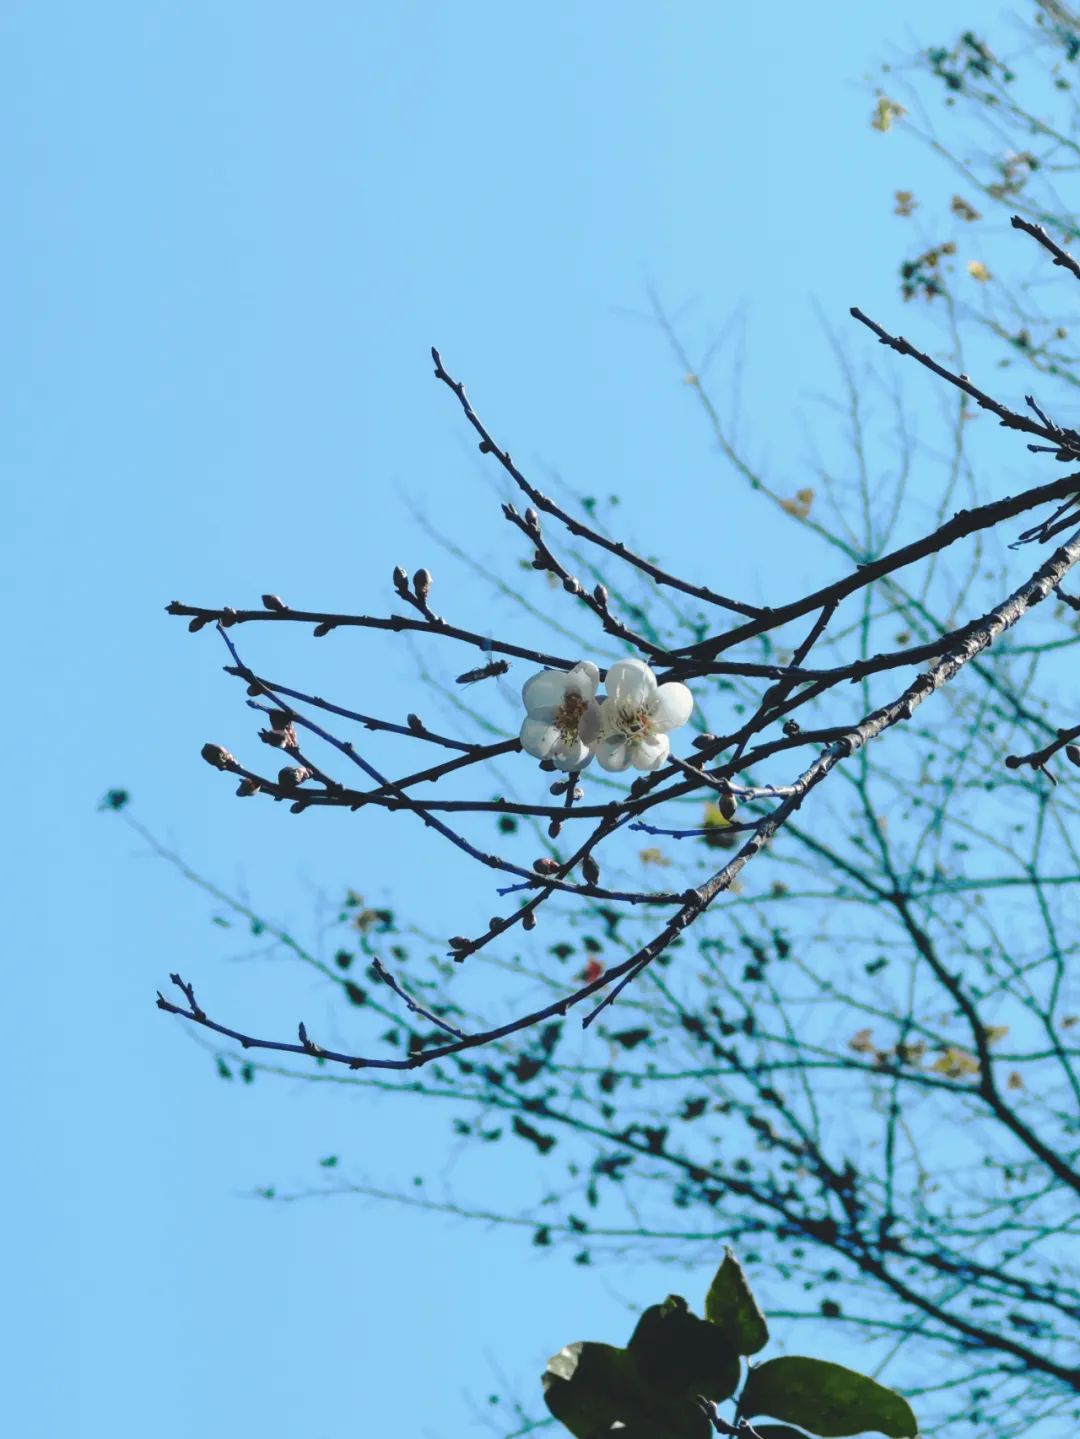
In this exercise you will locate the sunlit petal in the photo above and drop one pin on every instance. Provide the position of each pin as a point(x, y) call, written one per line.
point(538, 738)
point(671, 707)
point(574, 755)
point(612, 753)
point(584, 679)
point(650, 752)
point(631, 682)
point(544, 690)
point(592, 723)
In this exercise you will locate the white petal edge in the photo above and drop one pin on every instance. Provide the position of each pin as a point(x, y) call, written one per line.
point(572, 756)
point(612, 753)
point(538, 738)
point(672, 707)
point(631, 682)
point(584, 679)
point(591, 724)
point(651, 752)
point(544, 690)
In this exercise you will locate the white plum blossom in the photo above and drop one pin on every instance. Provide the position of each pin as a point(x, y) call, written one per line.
point(631, 725)
point(557, 703)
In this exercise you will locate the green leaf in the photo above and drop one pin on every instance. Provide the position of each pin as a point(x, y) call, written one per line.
point(733, 1309)
point(826, 1398)
point(590, 1387)
point(679, 1353)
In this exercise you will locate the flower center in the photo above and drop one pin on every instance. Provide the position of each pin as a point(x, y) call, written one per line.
point(634, 724)
point(568, 716)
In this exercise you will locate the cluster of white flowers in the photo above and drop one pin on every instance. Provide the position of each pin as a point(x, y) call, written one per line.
point(568, 723)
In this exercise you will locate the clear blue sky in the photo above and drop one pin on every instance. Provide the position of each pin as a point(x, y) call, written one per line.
point(232, 231)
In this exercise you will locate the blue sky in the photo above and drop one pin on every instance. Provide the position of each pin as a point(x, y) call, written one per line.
point(232, 233)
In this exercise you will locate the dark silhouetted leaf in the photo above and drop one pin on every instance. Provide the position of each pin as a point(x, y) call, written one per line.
point(826, 1398)
point(680, 1353)
point(730, 1305)
point(589, 1387)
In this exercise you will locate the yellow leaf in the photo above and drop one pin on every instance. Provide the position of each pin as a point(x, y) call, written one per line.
point(654, 856)
point(995, 1032)
point(911, 1053)
point(715, 818)
point(978, 271)
point(800, 505)
point(885, 112)
point(861, 1042)
point(905, 202)
point(961, 207)
point(955, 1063)
point(1015, 1080)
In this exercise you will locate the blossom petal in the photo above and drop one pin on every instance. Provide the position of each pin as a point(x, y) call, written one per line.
point(544, 690)
point(584, 679)
point(591, 724)
point(538, 738)
point(650, 752)
point(671, 708)
point(572, 756)
point(631, 682)
point(612, 753)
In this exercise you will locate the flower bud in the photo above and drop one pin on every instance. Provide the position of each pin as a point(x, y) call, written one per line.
point(544, 865)
point(248, 787)
point(529, 919)
point(401, 579)
point(600, 595)
point(590, 870)
point(292, 775)
point(554, 829)
point(571, 585)
point(218, 756)
point(275, 603)
point(415, 723)
point(422, 584)
point(228, 616)
point(1072, 753)
point(532, 519)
